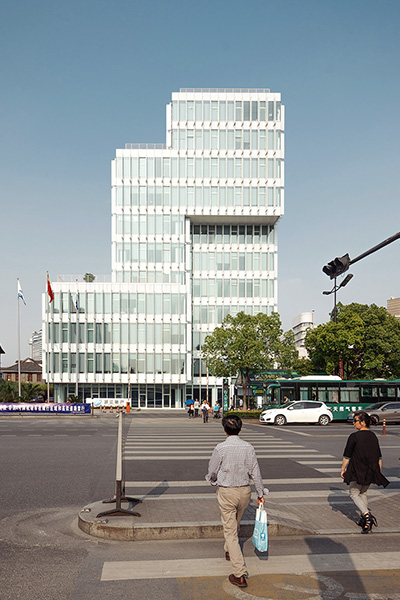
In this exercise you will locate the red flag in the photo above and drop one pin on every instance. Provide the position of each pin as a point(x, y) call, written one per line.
point(49, 290)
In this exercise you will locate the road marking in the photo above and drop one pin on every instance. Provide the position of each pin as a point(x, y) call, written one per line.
point(319, 462)
point(288, 495)
point(170, 484)
point(333, 590)
point(216, 567)
point(205, 443)
point(207, 456)
point(182, 450)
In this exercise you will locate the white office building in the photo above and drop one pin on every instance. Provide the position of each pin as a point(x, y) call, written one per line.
point(300, 325)
point(194, 238)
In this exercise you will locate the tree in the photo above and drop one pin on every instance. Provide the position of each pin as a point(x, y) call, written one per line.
point(89, 277)
point(248, 343)
point(366, 338)
point(8, 391)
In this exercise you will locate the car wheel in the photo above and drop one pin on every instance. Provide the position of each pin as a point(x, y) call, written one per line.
point(374, 420)
point(324, 420)
point(280, 420)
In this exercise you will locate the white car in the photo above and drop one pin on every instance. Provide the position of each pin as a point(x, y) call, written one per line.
point(298, 412)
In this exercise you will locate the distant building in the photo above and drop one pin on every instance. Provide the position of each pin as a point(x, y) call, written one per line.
point(35, 343)
point(393, 307)
point(31, 371)
point(300, 324)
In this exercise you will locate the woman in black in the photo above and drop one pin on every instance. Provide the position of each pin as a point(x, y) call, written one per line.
point(361, 466)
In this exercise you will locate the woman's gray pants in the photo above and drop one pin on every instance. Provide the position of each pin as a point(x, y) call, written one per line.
point(358, 493)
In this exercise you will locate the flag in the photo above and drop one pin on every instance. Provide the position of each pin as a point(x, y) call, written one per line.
point(20, 292)
point(49, 290)
point(76, 301)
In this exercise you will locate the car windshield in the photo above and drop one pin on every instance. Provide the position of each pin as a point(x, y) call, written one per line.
point(376, 405)
point(287, 404)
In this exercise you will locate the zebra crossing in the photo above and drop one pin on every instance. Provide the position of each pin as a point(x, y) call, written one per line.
point(165, 446)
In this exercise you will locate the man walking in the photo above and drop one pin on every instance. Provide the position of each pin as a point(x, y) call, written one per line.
point(232, 466)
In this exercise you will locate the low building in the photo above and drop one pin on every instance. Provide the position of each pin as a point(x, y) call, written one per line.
point(300, 325)
point(31, 371)
point(393, 307)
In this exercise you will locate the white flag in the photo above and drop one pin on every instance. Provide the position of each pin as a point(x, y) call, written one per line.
point(20, 292)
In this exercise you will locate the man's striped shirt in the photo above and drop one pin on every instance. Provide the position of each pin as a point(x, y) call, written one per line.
point(234, 464)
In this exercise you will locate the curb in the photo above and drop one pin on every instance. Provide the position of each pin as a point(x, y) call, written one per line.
point(129, 529)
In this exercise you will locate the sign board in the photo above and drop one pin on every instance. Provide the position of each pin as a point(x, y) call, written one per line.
point(41, 407)
point(108, 402)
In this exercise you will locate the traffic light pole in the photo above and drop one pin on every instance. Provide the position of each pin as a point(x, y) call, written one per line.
point(393, 238)
point(341, 264)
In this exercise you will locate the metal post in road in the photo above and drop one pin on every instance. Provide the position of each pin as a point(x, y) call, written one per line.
point(119, 483)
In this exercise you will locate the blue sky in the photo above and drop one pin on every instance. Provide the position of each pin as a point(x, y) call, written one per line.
point(80, 79)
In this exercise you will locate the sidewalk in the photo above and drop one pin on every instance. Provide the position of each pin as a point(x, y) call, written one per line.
point(171, 519)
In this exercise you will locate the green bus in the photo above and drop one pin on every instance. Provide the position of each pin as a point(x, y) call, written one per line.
point(340, 395)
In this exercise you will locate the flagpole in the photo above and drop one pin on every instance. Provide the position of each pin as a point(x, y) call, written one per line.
point(47, 341)
point(76, 342)
point(19, 348)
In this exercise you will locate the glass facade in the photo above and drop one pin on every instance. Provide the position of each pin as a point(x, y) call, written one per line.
point(194, 238)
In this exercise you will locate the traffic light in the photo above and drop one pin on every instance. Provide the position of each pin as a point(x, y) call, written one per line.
point(337, 266)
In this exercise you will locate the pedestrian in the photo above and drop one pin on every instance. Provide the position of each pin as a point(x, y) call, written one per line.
point(191, 410)
point(233, 465)
point(361, 466)
point(217, 411)
point(196, 407)
point(205, 407)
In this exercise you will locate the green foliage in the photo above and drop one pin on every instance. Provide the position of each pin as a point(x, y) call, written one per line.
point(303, 367)
point(248, 343)
point(245, 414)
point(8, 391)
point(366, 338)
point(74, 399)
point(89, 277)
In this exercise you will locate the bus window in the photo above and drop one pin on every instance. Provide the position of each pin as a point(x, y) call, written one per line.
point(349, 394)
point(369, 392)
point(328, 394)
point(387, 392)
point(287, 395)
point(308, 392)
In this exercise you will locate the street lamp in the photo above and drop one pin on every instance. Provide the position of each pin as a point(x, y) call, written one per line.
point(334, 290)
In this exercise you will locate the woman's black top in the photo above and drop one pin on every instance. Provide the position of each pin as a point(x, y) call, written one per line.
point(363, 450)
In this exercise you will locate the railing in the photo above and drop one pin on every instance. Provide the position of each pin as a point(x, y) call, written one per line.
point(225, 90)
point(119, 483)
point(70, 278)
point(130, 146)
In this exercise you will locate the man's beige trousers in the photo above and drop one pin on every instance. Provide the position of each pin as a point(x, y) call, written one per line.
point(233, 502)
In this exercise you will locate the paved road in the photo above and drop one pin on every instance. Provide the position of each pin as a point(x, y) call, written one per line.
point(51, 467)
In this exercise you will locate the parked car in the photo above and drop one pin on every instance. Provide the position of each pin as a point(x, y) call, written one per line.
point(381, 410)
point(298, 412)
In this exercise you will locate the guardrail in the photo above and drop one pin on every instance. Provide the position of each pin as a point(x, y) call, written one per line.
point(119, 482)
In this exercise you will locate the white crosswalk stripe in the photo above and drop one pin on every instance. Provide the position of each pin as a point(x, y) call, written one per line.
point(291, 564)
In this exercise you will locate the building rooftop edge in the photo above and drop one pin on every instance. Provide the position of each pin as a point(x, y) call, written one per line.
point(225, 90)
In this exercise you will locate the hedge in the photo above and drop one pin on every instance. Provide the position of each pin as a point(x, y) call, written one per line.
point(245, 414)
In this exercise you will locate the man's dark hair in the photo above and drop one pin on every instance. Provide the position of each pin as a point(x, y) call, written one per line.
point(363, 416)
point(232, 424)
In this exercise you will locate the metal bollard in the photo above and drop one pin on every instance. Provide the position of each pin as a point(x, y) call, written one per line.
point(384, 427)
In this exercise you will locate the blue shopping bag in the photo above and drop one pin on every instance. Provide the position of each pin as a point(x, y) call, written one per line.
point(260, 534)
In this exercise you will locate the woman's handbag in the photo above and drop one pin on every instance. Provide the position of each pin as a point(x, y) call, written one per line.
point(260, 534)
